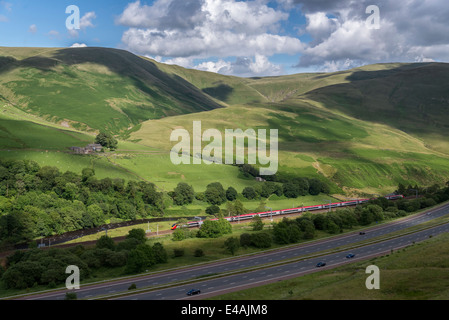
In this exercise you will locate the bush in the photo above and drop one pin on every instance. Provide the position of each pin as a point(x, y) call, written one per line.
point(23, 275)
point(261, 240)
point(214, 229)
point(286, 232)
point(199, 253)
point(213, 210)
point(105, 242)
point(71, 296)
point(245, 240)
point(178, 252)
point(178, 234)
point(138, 234)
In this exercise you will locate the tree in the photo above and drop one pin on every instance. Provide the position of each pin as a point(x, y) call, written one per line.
point(232, 244)
point(159, 252)
point(231, 194)
point(87, 173)
point(315, 187)
point(105, 242)
point(215, 194)
point(213, 210)
point(261, 240)
point(245, 240)
point(183, 194)
point(303, 185)
point(257, 223)
point(137, 261)
point(249, 193)
point(291, 190)
point(286, 231)
point(214, 228)
point(106, 140)
point(307, 227)
point(138, 234)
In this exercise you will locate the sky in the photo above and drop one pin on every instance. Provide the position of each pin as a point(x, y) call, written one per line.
point(242, 38)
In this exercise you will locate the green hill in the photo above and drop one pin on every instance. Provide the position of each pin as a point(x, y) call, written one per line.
point(95, 88)
point(363, 130)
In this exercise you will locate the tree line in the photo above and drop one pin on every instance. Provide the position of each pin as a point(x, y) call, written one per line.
point(36, 267)
point(42, 201)
point(307, 226)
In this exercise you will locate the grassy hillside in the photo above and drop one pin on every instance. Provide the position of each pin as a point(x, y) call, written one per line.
point(94, 88)
point(363, 130)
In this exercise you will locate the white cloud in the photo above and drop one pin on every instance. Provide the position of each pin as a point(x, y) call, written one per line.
point(85, 22)
point(242, 66)
point(250, 32)
point(32, 28)
point(78, 45)
point(409, 32)
point(199, 29)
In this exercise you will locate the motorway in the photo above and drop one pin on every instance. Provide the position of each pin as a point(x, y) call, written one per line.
point(258, 269)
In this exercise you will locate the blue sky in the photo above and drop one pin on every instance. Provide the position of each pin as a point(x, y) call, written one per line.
point(49, 15)
point(244, 38)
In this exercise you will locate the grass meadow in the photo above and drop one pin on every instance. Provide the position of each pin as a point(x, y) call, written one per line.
point(417, 272)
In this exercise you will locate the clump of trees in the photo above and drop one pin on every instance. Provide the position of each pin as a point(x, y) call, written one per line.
point(106, 140)
point(42, 201)
point(288, 185)
point(33, 267)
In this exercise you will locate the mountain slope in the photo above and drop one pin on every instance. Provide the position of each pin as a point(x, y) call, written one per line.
point(95, 88)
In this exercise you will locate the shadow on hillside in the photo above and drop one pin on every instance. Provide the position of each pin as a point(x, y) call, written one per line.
point(184, 97)
point(413, 98)
point(220, 92)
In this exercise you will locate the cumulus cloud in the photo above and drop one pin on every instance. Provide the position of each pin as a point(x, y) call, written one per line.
point(86, 21)
point(243, 66)
point(251, 32)
point(78, 45)
point(409, 32)
point(199, 29)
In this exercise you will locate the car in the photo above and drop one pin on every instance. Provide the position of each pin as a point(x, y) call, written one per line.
point(351, 255)
point(361, 233)
point(193, 292)
point(320, 264)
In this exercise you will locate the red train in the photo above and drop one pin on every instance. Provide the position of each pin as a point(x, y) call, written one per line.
point(295, 210)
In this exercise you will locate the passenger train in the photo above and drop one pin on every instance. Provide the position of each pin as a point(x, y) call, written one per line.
point(275, 213)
